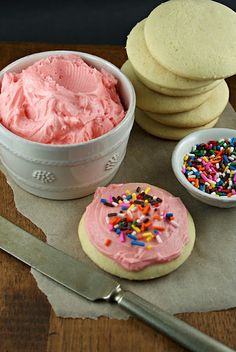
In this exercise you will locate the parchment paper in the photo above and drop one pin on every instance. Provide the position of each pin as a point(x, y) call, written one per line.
point(206, 281)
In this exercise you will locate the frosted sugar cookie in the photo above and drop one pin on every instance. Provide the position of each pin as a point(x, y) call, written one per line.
point(136, 231)
point(166, 132)
point(203, 114)
point(155, 76)
point(193, 39)
point(147, 99)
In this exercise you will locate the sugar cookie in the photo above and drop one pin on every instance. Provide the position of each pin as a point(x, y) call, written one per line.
point(203, 114)
point(152, 101)
point(153, 246)
point(155, 76)
point(166, 132)
point(193, 39)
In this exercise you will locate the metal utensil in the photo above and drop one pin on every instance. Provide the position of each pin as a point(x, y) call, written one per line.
point(94, 285)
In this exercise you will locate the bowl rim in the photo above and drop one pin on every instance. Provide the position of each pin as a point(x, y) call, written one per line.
point(180, 176)
point(85, 56)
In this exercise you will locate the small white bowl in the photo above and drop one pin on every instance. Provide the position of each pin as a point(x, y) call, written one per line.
point(184, 147)
point(72, 170)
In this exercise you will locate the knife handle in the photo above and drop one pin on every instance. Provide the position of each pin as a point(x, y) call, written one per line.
point(178, 330)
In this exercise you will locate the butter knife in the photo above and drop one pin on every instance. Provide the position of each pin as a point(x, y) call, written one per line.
point(95, 285)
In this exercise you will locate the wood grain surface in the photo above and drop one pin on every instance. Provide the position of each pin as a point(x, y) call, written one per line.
point(27, 321)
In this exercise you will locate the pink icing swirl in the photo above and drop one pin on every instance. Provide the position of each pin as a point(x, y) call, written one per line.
point(135, 258)
point(60, 100)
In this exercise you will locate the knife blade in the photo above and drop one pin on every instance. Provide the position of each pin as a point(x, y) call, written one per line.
point(55, 264)
point(94, 285)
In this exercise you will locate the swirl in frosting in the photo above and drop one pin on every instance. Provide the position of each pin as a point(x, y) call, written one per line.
point(60, 100)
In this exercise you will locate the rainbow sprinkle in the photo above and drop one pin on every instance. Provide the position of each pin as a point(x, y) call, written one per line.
point(211, 167)
point(137, 218)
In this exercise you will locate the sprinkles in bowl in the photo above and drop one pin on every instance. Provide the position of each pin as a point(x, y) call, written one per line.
point(211, 167)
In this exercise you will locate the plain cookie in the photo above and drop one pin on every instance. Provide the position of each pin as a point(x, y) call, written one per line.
point(203, 114)
point(166, 132)
point(193, 39)
point(155, 76)
point(147, 99)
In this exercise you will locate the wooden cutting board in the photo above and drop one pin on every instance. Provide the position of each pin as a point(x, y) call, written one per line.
point(27, 321)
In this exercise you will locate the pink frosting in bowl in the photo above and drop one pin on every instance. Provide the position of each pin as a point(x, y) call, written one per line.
point(173, 234)
point(67, 170)
point(60, 100)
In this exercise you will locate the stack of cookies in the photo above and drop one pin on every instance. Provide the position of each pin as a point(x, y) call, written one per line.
point(178, 58)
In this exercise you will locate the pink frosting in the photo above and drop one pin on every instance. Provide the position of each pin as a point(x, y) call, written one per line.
point(135, 258)
point(60, 100)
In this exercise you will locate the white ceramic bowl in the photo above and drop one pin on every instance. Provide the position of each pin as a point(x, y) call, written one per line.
point(184, 147)
point(68, 171)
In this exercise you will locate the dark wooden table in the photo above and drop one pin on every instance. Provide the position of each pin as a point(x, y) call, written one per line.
point(27, 321)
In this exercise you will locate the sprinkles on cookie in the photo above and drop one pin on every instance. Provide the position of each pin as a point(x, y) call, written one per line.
point(211, 167)
point(138, 218)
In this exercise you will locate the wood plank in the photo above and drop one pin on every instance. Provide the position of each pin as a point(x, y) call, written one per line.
point(105, 335)
point(24, 309)
point(27, 322)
